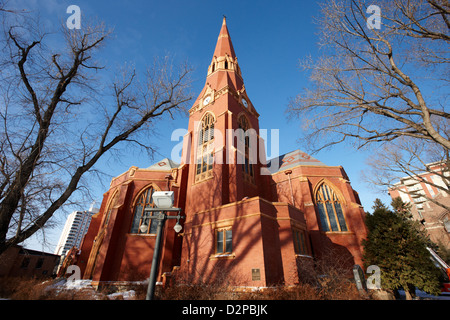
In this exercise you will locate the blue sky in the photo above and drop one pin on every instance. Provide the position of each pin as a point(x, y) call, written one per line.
point(269, 38)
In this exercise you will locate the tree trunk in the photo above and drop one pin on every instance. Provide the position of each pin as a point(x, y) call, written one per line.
point(408, 295)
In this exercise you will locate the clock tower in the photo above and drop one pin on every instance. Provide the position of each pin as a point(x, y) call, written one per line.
point(223, 135)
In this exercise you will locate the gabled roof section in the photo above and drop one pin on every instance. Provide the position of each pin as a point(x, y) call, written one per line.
point(224, 45)
point(292, 159)
point(164, 165)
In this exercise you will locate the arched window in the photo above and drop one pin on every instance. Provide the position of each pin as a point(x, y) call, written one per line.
point(226, 64)
point(205, 150)
point(330, 209)
point(142, 224)
point(247, 167)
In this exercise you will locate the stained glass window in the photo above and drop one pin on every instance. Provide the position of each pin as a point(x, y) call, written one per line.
point(142, 224)
point(247, 167)
point(330, 209)
point(205, 151)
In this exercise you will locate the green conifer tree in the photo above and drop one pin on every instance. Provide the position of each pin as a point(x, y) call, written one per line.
point(398, 246)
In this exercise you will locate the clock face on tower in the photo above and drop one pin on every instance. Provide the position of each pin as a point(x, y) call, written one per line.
point(206, 100)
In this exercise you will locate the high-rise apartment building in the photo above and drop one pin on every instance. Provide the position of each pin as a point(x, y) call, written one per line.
point(420, 190)
point(76, 226)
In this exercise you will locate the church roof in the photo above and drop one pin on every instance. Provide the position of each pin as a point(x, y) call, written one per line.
point(163, 165)
point(224, 45)
point(292, 159)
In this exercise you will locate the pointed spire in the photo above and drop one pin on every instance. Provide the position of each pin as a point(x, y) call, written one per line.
point(224, 70)
point(224, 45)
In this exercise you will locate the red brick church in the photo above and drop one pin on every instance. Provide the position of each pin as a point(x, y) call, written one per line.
point(245, 217)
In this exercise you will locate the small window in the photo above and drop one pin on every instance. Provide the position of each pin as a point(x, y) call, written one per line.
point(226, 64)
point(205, 152)
point(39, 263)
point(300, 242)
point(25, 263)
point(224, 243)
point(247, 167)
point(447, 224)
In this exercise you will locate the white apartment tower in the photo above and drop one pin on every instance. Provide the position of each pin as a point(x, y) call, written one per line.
point(76, 226)
point(418, 190)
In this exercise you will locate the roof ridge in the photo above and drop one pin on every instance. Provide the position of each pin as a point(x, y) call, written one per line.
point(292, 159)
point(164, 164)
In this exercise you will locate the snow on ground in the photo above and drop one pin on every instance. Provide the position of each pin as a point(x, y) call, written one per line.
point(86, 285)
point(74, 284)
point(126, 295)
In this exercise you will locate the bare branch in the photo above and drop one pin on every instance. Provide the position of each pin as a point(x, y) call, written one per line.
point(50, 140)
point(364, 87)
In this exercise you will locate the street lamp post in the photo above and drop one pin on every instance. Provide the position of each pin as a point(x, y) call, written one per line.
point(163, 201)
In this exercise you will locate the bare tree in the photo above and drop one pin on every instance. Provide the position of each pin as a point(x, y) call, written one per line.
point(385, 84)
point(58, 118)
point(376, 85)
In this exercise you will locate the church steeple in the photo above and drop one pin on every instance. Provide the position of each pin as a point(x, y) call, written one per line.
point(224, 59)
point(224, 45)
point(223, 72)
point(221, 171)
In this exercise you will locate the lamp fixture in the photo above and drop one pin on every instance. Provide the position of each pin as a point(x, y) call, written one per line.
point(178, 227)
point(163, 199)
